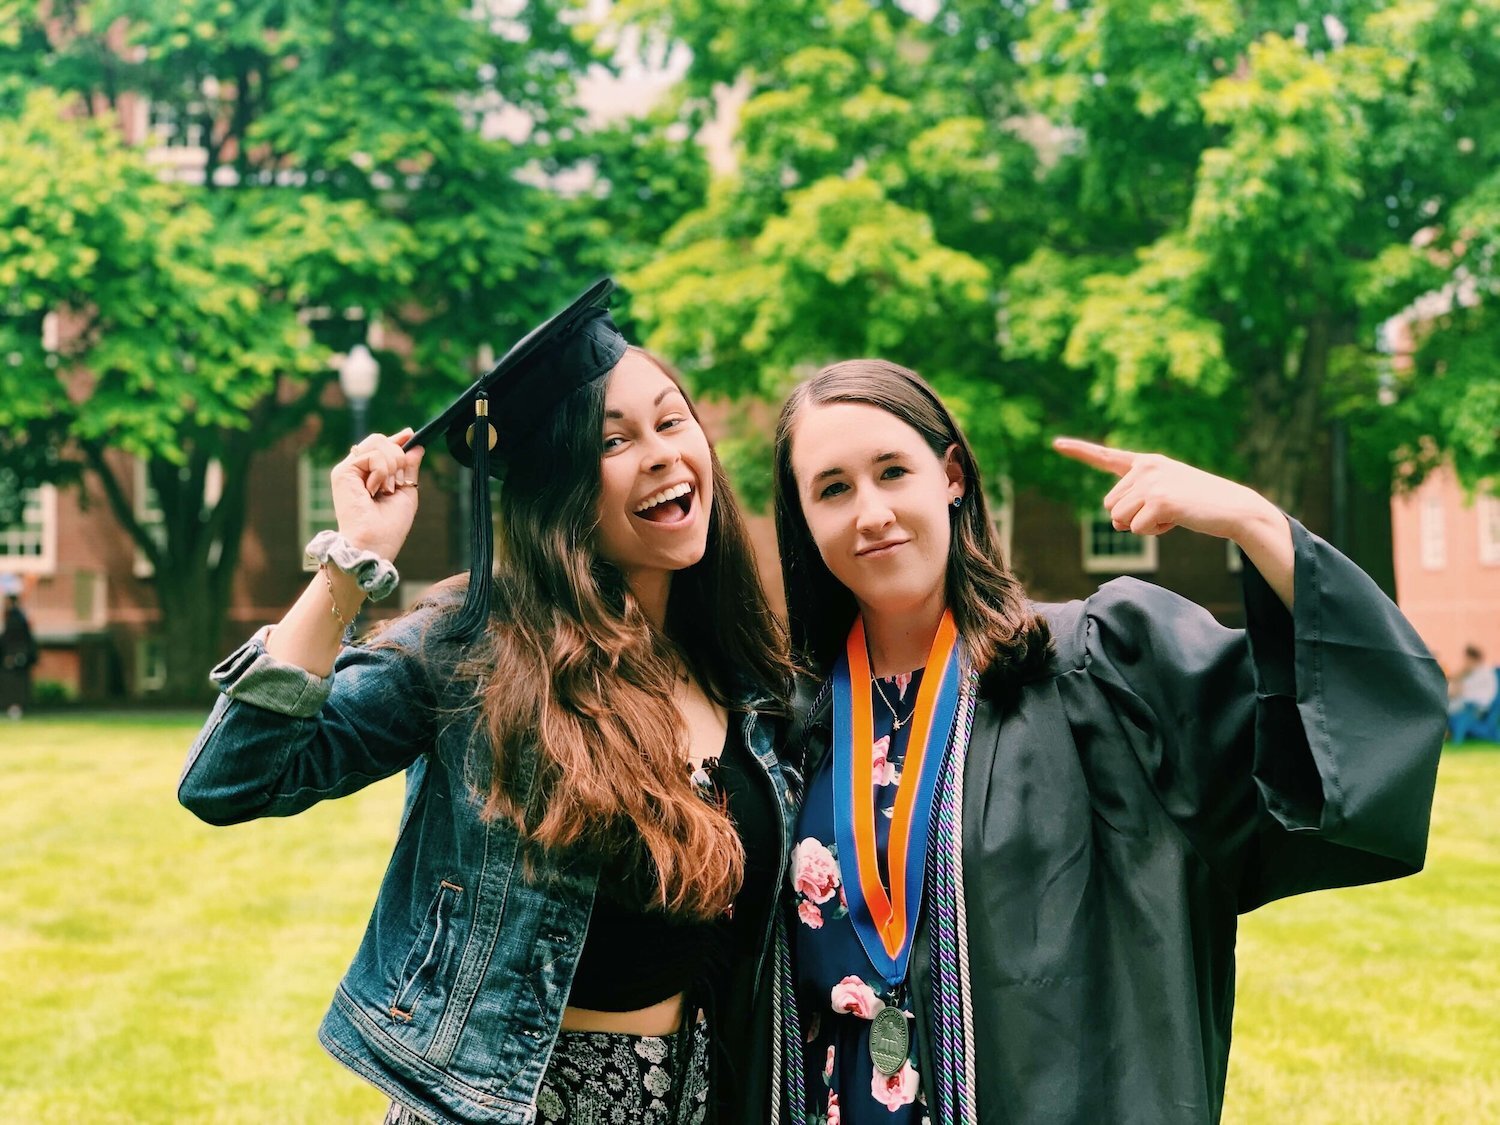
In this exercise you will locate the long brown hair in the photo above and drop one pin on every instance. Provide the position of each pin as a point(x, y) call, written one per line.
point(1002, 636)
point(576, 684)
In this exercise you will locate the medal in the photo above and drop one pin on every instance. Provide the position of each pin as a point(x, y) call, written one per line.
point(885, 921)
point(890, 1040)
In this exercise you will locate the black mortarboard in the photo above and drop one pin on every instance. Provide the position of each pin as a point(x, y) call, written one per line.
point(572, 349)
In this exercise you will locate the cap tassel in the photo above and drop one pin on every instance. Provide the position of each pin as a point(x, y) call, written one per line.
point(475, 613)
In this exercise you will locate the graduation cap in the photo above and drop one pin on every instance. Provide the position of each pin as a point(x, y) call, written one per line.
point(569, 351)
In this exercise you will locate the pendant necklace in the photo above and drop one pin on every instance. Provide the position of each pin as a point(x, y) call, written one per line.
point(895, 718)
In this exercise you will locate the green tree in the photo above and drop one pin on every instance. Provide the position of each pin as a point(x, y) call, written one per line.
point(1172, 226)
point(350, 164)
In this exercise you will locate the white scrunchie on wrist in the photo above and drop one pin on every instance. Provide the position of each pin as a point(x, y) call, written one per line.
point(376, 576)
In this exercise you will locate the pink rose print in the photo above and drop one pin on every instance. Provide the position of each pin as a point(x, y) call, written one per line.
point(828, 1072)
point(902, 682)
point(896, 1091)
point(885, 773)
point(854, 996)
point(843, 899)
point(833, 1107)
point(810, 915)
point(815, 873)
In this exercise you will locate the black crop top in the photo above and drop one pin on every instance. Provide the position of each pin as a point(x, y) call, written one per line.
point(632, 957)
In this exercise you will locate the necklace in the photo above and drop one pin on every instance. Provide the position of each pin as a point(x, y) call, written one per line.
point(896, 718)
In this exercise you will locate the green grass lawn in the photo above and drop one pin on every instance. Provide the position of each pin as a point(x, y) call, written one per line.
point(157, 969)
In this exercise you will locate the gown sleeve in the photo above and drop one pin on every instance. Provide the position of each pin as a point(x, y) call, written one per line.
point(1296, 754)
point(281, 739)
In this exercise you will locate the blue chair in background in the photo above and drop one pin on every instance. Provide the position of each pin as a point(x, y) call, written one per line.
point(1476, 723)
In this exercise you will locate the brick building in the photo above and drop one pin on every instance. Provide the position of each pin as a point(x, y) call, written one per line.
point(90, 599)
point(1448, 566)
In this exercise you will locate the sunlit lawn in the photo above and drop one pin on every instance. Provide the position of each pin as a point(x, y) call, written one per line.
point(156, 969)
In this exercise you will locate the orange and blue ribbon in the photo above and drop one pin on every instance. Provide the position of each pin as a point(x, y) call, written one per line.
point(886, 920)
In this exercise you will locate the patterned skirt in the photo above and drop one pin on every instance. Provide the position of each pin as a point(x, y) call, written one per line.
point(610, 1078)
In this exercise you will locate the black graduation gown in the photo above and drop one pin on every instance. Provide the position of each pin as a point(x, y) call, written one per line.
point(1166, 775)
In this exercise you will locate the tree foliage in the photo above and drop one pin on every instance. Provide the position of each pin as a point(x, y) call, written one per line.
point(352, 163)
point(1174, 226)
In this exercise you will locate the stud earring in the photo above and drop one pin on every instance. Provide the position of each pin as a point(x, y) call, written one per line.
point(958, 502)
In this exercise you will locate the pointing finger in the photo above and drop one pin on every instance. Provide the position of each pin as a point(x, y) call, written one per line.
point(1117, 461)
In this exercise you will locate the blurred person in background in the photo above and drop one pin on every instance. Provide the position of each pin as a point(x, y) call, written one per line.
point(18, 655)
point(1471, 693)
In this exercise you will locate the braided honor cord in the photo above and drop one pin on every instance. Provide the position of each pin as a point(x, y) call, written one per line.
point(787, 1058)
point(952, 1086)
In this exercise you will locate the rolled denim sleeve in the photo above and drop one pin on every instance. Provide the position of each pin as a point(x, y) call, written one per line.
point(252, 675)
point(281, 739)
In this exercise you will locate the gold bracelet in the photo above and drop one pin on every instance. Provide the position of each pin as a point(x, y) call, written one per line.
point(344, 622)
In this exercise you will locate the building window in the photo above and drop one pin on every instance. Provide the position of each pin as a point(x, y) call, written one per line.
point(314, 503)
point(1434, 538)
point(148, 514)
point(1107, 551)
point(148, 511)
point(174, 126)
point(30, 546)
point(1487, 508)
point(150, 667)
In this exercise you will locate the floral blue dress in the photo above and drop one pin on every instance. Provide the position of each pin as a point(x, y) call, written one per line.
point(839, 989)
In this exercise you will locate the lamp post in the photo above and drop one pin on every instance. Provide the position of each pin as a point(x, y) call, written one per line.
point(359, 375)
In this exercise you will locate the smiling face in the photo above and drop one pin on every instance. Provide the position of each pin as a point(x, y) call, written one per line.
point(655, 475)
point(876, 501)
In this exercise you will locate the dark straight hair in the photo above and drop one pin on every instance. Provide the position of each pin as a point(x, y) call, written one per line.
point(1003, 637)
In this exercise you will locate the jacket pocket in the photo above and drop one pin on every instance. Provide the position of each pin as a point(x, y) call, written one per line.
point(426, 955)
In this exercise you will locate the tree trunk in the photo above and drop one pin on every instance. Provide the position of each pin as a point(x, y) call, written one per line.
point(193, 562)
point(192, 621)
point(194, 581)
point(1285, 434)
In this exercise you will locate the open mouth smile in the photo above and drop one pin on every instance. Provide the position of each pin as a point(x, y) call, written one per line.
point(672, 505)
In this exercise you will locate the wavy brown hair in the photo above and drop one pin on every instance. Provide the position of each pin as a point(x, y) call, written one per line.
point(576, 683)
point(1002, 636)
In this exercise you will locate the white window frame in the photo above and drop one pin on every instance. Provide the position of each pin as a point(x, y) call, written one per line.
point(1432, 535)
point(150, 667)
point(42, 534)
point(147, 508)
point(166, 131)
point(311, 519)
point(1487, 514)
point(91, 599)
point(1143, 561)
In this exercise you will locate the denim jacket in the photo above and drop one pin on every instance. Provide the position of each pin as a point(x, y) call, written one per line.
point(456, 994)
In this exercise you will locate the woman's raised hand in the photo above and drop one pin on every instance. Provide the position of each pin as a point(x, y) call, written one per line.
point(1154, 494)
point(375, 492)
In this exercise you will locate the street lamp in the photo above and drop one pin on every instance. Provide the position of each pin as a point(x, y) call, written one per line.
point(359, 375)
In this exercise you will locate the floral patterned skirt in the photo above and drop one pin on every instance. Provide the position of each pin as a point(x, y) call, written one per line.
point(610, 1078)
